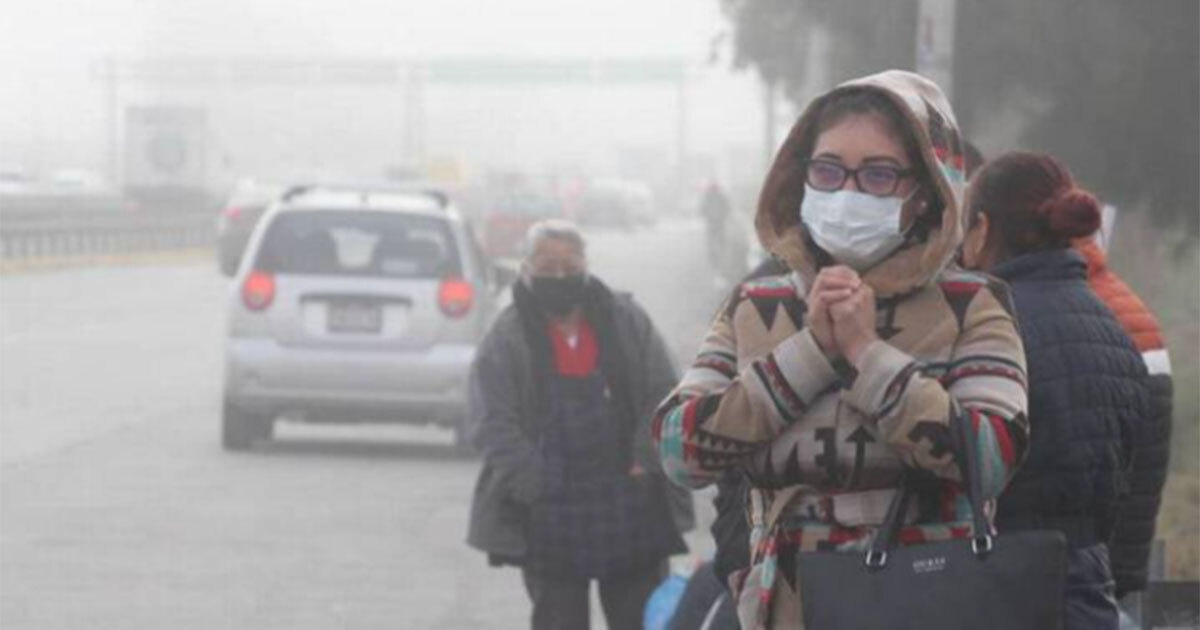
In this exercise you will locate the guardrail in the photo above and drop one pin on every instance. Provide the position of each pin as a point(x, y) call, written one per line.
point(43, 235)
point(1164, 605)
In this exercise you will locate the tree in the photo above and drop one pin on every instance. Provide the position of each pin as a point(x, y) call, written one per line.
point(770, 35)
point(1112, 88)
point(1109, 86)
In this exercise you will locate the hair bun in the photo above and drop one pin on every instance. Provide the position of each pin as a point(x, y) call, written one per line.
point(1072, 213)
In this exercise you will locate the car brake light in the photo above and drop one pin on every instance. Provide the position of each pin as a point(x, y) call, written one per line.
point(259, 290)
point(456, 296)
point(233, 213)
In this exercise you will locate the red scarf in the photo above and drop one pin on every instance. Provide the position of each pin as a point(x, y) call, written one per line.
point(578, 361)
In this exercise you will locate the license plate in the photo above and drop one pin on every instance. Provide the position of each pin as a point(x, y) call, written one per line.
point(353, 317)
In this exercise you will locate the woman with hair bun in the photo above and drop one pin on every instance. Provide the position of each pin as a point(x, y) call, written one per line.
point(1088, 388)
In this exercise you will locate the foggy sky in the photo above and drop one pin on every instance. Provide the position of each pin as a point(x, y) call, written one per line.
point(54, 104)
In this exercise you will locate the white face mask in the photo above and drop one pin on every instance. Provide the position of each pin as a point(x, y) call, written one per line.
point(857, 229)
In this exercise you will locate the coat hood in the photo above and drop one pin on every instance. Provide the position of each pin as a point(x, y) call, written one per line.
point(927, 113)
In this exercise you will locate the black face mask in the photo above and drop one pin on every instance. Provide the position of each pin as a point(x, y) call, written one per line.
point(558, 295)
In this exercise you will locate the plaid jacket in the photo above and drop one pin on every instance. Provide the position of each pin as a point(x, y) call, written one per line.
point(506, 409)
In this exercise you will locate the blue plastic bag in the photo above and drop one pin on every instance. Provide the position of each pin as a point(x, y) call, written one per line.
point(663, 601)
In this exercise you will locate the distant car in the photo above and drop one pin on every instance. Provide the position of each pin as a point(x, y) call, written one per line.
point(241, 212)
point(80, 181)
point(83, 190)
point(355, 306)
point(509, 216)
point(64, 191)
point(618, 203)
point(15, 180)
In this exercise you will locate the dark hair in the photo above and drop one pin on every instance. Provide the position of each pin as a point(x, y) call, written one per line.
point(842, 104)
point(860, 101)
point(1032, 204)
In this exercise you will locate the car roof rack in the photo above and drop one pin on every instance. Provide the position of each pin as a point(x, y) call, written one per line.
point(438, 196)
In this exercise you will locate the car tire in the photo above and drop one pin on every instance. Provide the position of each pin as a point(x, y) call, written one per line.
point(241, 429)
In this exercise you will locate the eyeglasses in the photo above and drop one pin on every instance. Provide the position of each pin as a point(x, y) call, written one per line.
point(880, 180)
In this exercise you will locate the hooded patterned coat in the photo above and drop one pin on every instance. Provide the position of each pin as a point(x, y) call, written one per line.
point(823, 443)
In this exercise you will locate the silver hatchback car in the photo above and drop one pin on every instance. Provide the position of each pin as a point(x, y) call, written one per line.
point(354, 306)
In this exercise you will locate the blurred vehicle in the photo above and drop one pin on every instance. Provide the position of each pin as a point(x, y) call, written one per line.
point(83, 190)
point(68, 191)
point(617, 203)
point(355, 306)
point(509, 215)
point(15, 180)
point(241, 212)
point(78, 181)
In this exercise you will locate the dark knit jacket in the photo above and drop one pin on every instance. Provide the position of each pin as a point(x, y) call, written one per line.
point(1087, 395)
point(507, 404)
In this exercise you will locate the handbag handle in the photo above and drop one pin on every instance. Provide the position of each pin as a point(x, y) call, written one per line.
point(968, 464)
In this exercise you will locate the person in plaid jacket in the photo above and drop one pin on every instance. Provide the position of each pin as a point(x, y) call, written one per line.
point(561, 394)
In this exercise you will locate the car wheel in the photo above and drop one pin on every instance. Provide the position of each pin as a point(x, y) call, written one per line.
point(240, 429)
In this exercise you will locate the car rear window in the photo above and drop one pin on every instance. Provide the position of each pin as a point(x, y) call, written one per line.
point(255, 195)
point(381, 244)
point(527, 205)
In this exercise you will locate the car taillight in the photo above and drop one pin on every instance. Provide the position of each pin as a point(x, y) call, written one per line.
point(233, 213)
point(259, 290)
point(456, 296)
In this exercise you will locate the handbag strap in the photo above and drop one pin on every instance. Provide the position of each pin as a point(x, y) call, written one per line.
point(968, 464)
point(885, 538)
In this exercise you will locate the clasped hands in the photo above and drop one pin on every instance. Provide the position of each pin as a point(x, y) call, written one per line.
point(841, 313)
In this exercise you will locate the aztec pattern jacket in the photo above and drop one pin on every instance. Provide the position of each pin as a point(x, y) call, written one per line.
point(822, 444)
point(1138, 511)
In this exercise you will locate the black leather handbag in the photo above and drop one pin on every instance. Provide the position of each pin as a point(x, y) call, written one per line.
point(1014, 581)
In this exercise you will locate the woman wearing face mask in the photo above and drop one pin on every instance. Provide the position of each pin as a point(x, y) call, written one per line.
point(864, 358)
point(561, 394)
point(1088, 389)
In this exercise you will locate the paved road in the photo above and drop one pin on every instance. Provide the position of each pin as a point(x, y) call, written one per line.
point(118, 509)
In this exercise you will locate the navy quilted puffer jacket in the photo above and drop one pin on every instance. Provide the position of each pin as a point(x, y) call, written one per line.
point(1088, 393)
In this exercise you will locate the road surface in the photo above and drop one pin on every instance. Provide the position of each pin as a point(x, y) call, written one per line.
point(118, 509)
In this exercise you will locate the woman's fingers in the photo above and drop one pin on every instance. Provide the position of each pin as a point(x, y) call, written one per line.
point(839, 277)
point(828, 297)
point(862, 298)
point(841, 310)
